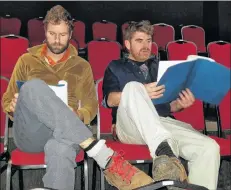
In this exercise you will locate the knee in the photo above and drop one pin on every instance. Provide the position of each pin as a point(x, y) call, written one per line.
point(212, 148)
point(133, 85)
point(31, 86)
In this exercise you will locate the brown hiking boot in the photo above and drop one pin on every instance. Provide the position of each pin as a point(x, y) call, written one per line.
point(171, 168)
point(121, 174)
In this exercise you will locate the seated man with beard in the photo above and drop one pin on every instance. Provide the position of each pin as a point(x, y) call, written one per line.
point(43, 122)
point(129, 84)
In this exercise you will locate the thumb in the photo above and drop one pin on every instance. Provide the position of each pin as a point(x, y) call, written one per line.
point(16, 95)
point(153, 84)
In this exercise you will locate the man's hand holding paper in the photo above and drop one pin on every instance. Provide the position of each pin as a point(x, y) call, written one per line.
point(185, 99)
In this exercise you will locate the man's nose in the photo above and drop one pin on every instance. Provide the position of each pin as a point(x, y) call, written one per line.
point(145, 45)
point(57, 38)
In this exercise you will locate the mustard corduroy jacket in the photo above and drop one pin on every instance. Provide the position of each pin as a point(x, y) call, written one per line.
point(75, 70)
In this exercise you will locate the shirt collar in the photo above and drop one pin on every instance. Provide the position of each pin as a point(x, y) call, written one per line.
point(50, 60)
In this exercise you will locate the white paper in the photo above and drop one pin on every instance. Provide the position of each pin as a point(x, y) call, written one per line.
point(165, 183)
point(61, 91)
point(194, 57)
point(164, 65)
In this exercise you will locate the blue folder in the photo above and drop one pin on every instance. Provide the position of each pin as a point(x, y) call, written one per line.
point(208, 80)
point(20, 83)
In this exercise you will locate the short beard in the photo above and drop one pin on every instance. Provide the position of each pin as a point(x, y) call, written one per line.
point(57, 51)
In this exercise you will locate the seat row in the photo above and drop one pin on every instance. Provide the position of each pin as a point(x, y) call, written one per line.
point(101, 52)
point(18, 160)
point(163, 33)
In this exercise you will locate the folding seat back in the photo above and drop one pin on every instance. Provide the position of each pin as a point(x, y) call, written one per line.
point(123, 28)
point(10, 26)
point(75, 44)
point(104, 29)
point(36, 33)
point(154, 49)
point(4, 84)
point(4, 154)
point(220, 52)
point(194, 34)
point(224, 113)
point(180, 50)
point(163, 34)
point(79, 33)
point(12, 47)
point(100, 54)
point(104, 117)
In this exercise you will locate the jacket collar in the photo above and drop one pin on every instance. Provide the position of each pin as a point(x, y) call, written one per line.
point(37, 50)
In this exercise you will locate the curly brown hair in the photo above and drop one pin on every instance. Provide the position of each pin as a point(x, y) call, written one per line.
point(142, 26)
point(57, 14)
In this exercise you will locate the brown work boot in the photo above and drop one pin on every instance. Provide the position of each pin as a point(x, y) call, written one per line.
point(171, 168)
point(121, 174)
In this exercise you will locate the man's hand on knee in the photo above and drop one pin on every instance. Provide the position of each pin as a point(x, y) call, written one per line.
point(13, 103)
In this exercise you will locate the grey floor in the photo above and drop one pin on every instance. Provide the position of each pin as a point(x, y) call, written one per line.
point(33, 178)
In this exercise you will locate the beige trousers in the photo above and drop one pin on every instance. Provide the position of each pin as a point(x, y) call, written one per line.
point(139, 123)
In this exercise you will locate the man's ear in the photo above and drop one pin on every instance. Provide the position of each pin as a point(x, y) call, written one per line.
point(45, 28)
point(127, 44)
point(45, 32)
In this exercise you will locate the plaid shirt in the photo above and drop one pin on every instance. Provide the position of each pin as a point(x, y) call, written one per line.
point(144, 69)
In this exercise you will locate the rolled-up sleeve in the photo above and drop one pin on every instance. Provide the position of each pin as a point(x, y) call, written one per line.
point(163, 110)
point(110, 84)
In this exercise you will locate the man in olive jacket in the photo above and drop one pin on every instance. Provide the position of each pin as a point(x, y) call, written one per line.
point(43, 122)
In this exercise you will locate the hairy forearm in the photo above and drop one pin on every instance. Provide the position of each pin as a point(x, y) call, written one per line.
point(114, 99)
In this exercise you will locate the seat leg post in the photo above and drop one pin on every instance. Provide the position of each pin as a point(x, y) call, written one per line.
point(102, 181)
point(86, 177)
point(81, 177)
point(20, 179)
point(9, 176)
point(150, 169)
point(94, 176)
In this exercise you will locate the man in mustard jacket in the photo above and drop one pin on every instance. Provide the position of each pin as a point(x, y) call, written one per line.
point(43, 122)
